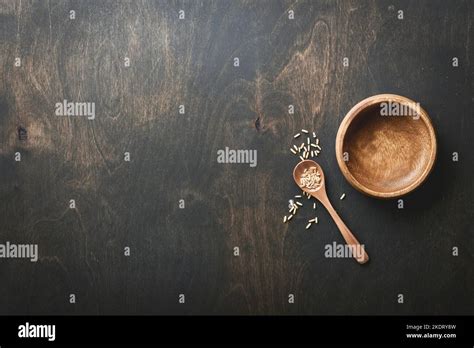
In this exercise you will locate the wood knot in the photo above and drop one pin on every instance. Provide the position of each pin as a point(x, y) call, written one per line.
point(22, 133)
point(258, 124)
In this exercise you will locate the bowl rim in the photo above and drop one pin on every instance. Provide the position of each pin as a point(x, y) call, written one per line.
point(344, 126)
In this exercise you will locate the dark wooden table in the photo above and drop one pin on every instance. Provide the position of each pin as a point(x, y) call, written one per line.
point(173, 156)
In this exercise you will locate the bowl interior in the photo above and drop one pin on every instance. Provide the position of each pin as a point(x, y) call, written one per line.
point(388, 154)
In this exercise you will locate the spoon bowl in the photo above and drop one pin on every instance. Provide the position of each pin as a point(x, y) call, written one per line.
point(299, 171)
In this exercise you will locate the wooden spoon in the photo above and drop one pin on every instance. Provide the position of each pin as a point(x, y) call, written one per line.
point(319, 192)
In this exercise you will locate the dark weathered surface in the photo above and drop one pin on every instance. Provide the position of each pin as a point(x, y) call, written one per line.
point(173, 156)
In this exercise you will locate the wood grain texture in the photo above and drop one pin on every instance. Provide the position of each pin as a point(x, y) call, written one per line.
point(190, 62)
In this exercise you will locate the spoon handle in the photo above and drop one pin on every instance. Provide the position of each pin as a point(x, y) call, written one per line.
point(357, 251)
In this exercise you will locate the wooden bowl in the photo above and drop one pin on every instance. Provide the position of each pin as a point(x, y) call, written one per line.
point(382, 153)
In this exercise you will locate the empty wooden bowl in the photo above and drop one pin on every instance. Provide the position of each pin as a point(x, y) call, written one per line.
point(386, 146)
